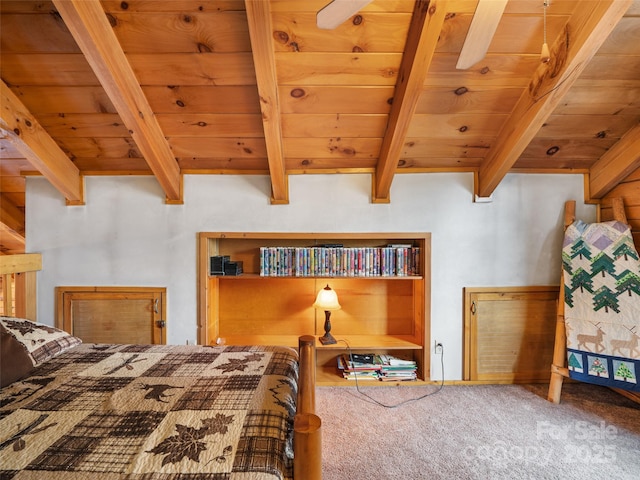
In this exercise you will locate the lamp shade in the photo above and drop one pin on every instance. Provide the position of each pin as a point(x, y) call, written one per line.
point(327, 299)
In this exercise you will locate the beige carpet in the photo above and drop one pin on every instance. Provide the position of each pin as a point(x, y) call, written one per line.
point(478, 432)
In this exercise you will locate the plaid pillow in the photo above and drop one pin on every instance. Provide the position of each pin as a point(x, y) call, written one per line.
point(42, 342)
point(15, 362)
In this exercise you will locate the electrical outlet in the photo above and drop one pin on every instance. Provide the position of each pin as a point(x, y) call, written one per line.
point(438, 347)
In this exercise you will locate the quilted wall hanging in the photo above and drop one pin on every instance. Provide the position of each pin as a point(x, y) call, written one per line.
point(601, 272)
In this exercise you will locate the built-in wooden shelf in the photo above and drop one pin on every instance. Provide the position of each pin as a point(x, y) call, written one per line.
point(399, 342)
point(244, 276)
point(326, 376)
point(385, 314)
point(355, 342)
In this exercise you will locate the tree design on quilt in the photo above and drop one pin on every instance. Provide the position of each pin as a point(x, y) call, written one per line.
point(582, 280)
point(598, 368)
point(603, 263)
point(581, 250)
point(574, 364)
point(592, 278)
point(187, 442)
point(605, 298)
point(628, 282)
point(625, 250)
point(624, 372)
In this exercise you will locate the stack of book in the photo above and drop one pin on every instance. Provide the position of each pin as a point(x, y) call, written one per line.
point(373, 366)
point(397, 369)
point(364, 366)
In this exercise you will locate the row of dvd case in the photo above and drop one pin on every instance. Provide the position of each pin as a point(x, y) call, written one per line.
point(383, 261)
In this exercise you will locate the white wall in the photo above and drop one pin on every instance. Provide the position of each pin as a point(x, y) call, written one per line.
point(127, 235)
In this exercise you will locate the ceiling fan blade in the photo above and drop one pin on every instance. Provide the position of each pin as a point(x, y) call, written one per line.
point(336, 12)
point(483, 26)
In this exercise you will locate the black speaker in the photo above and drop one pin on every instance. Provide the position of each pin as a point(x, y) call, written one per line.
point(217, 264)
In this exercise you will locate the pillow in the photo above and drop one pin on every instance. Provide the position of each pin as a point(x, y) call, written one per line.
point(15, 362)
point(38, 342)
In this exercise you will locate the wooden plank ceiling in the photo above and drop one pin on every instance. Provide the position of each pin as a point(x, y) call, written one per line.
point(174, 87)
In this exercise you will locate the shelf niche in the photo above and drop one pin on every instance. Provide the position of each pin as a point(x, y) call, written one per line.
point(384, 314)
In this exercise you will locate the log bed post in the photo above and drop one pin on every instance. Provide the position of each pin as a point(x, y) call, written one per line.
point(307, 438)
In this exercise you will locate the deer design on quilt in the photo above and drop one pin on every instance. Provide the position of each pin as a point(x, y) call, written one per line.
point(621, 346)
point(596, 340)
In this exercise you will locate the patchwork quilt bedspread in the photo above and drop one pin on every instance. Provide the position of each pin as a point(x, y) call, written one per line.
point(601, 271)
point(152, 412)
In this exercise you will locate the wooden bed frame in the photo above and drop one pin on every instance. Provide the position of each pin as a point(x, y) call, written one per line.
point(18, 273)
point(559, 370)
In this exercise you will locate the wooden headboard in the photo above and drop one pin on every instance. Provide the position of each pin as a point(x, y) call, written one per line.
point(18, 276)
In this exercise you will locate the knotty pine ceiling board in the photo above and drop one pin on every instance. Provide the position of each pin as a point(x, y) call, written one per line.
point(64, 99)
point(41, 32)
point(587, 126)
point(472, 106)
point(191, 99)
point(131, 165)
point(46, 70)
point(103, 147)
point(598, 99)
point(231, 165)
point(194, 63)
point(336, 88)
point(596, 112)
point(334, 125)
point(187, 31)
point(337, 79)
point(330, 165)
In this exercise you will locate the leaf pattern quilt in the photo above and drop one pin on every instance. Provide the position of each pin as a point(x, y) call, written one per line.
point(601, 272)
point(152, 412)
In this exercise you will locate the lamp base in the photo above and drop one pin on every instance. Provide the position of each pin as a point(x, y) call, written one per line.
point(327, 339)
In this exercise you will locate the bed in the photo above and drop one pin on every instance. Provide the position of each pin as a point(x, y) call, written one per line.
point(70, 410)
point(598, 324)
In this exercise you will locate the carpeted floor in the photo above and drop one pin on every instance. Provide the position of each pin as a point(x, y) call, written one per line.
point(478, 432)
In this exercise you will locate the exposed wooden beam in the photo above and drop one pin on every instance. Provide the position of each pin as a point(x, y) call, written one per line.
point(261, 34)
point(11, 216)
point(92, 31)
point(12, 226)
point(10, 240)
point(422, 39)
point(587, 29)
point(614, 166)
point(21, 129)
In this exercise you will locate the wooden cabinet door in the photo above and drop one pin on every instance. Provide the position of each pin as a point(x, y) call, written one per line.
point(131, 315)
point(509, 333)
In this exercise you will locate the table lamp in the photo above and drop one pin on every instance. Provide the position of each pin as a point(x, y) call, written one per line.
point(327, 300)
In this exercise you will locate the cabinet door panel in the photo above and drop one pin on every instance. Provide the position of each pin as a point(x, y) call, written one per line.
point(509, 333)
point(133, 315)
